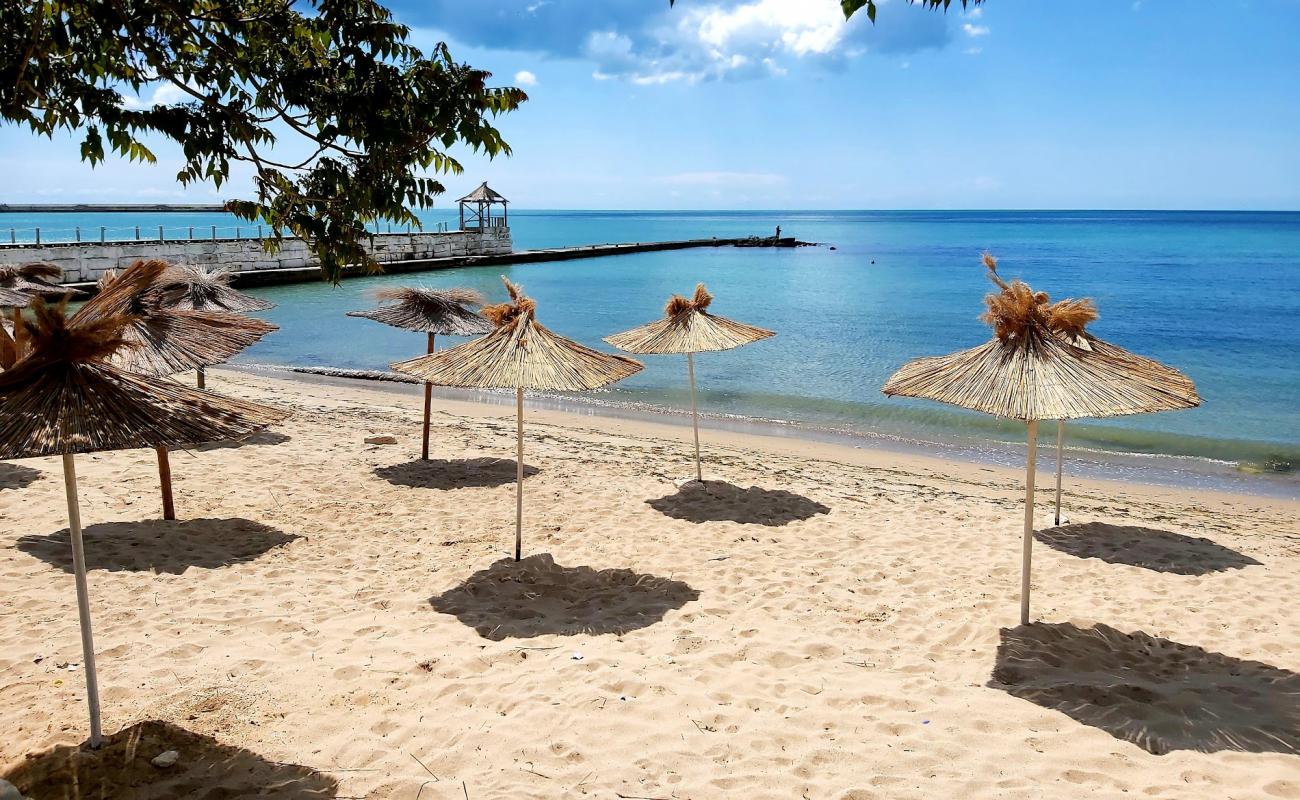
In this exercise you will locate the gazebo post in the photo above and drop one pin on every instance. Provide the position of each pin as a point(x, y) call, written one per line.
point(165, 480)
point(1031, 465)
point(695, 417)
point(519, 472)
point(83, 597)
point(1060, 438)
point(202, 382)
point(428, 401)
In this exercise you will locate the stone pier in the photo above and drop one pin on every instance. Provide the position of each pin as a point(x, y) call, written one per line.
point(86, 262)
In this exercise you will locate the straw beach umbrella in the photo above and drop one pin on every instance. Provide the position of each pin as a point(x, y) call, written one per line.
point(189, 287)
point(65, 398)
point(1087, 341)
point(35, 279)
point(520, 354)
point(163, 341)
point(449, 312)
point(1037, 367)
point(688, 327)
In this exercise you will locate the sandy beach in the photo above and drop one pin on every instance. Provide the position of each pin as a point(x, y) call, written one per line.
point(330, 618)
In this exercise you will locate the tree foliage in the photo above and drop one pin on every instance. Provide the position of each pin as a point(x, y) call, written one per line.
point(852, 7)
point(355, 117)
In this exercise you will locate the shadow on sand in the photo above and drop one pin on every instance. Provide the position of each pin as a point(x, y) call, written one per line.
point(719, 501)
point(1149, 548)
point(455, 473)
point(16, 476)
point(264, 438)
point(536, 596)
point(1158, 694)
point(121, 769)
point(160, 545)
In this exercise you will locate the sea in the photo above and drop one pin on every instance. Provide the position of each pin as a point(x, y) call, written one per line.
point(1215, 294)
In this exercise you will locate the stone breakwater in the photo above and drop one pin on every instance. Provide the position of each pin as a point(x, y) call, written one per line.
point(86, 262)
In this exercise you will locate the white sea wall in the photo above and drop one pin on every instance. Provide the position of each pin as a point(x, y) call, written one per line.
point(87, 261)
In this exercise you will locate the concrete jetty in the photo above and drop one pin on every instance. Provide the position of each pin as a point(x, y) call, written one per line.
point(398, 253)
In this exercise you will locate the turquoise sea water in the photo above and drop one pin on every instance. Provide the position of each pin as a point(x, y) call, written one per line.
point(1216, 294)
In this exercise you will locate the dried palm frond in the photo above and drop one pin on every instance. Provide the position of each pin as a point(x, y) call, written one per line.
point(35, 279)
point(520, 354)
point(446, 312)
point(167, 341)
point(195, 288)
point(65, 397)
point(688, 328)
point(1042, 364)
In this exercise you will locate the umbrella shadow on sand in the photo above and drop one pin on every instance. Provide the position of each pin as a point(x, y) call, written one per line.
point(160, 545)
point(1155, 693)
point(263, 438)
point(16, 476)
point(535, 597)
point(453, 473)
point(719, 501)
point(205, 768)
point(1149, 548)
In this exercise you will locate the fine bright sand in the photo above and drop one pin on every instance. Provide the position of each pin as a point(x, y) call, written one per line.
point(333, 619)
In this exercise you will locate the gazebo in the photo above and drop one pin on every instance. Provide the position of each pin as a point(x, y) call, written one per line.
point(476, 209)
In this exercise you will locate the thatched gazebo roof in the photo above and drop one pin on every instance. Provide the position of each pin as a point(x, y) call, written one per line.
point(520, 354)
point(65, 397)
point(165, 340)
point(37, 279)
point(484, 194)
point(191, 287)
point(1042, 364)
point(687, 327)
point(446, 312)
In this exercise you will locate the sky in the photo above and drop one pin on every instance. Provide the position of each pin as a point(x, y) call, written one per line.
point(765, 104)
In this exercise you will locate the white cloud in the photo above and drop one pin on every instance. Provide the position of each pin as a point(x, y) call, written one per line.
point(975, 30)
point(708, 41)
point(722, 179)
point(164, 94)
point(525, 78)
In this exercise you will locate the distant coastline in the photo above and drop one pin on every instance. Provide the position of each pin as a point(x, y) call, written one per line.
point(62, 208)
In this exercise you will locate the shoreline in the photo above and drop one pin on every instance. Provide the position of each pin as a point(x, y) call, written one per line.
point(1189, 473)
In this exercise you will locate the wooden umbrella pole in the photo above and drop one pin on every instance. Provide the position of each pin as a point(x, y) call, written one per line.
point(519, 473)
point(165, 479)
point(202, 379)
point(428, 402)
point(695, 417)
point(83, 597)
point(1060, 438)
point(1031, 465)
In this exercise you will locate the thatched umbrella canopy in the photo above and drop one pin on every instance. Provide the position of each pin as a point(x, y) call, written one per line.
point(163, 341)
point(20, 283)
point(1042, 364)
point(191, 287)
point(520, 354)
point(65, 398)
point(36, 279)
point(12, 298)
point(449, 312)
point(688, 327)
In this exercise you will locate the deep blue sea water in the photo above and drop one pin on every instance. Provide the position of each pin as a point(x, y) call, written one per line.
point(1216, 294)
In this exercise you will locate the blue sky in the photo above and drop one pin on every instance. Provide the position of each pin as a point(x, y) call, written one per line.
point(780, 104)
